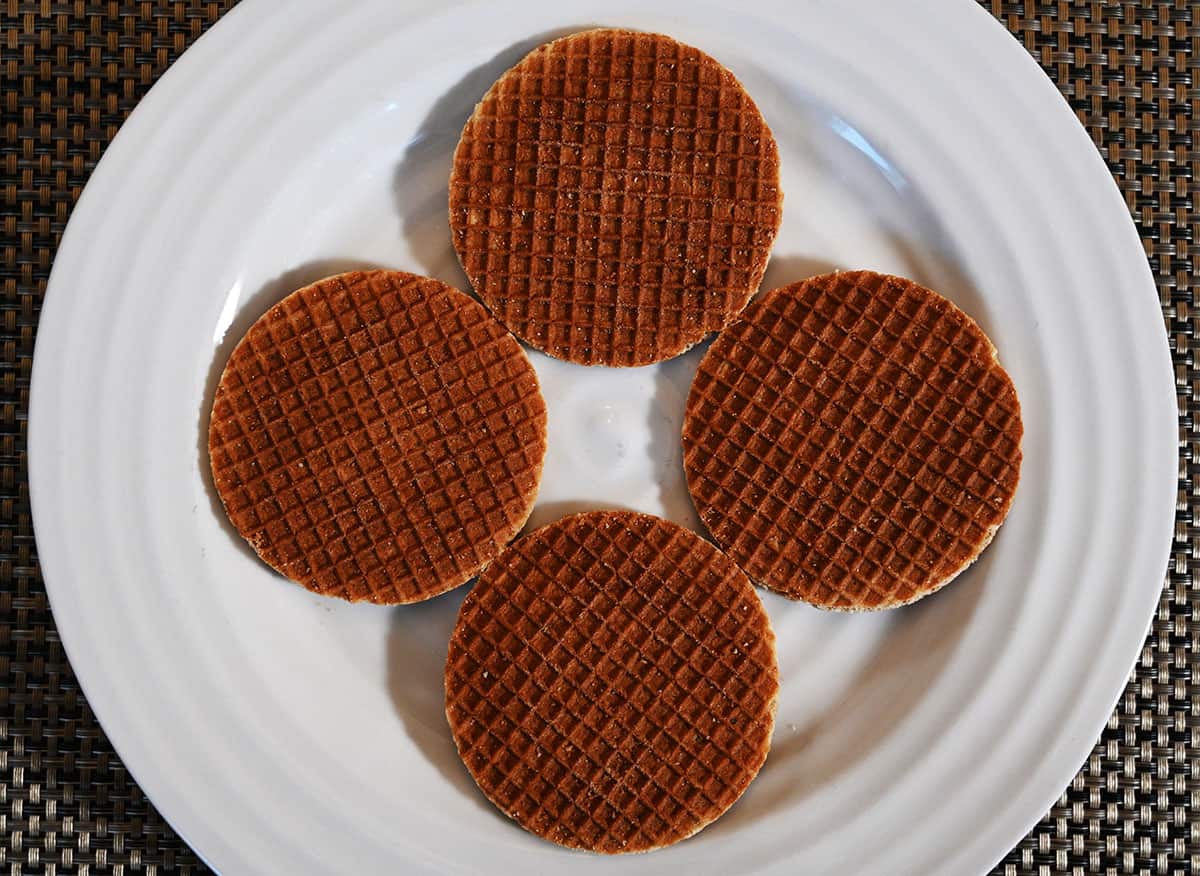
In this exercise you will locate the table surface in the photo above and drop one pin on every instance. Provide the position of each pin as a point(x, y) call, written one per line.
point(72, 72)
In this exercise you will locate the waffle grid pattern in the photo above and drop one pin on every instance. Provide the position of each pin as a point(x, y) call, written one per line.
point(611, 682)
point(614, 197)
point(73, 71)
point(378, 436)
point(852, 441)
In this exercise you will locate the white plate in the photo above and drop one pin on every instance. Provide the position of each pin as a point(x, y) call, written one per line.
point(281, 732)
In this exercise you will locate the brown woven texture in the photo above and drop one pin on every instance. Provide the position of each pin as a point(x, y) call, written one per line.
point(378, 436)
point(614, 197)
point(611, 682)
point(72, 71)
point(852, 441)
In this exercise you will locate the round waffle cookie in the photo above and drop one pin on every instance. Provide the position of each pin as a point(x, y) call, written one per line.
point(611, 682)
point(378, 436)
point(614, 197)
point(852, 441)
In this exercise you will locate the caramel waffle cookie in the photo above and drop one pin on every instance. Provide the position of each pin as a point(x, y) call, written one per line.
point(611, 682)
point(852, 441)
point(378, 436)
point(614, 197)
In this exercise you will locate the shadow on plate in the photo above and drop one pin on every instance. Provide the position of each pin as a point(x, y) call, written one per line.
point(548, 512)
point(665, 426)
point(248, 311)
point(783, 270)
point(417, 641)
point(420, 180)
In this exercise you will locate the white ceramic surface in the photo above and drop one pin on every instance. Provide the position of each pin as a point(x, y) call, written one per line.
point(285, 733)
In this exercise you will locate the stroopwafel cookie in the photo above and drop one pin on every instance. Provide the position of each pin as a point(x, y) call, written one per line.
point(611, 682)
point(852, 441)
point(614, 197)
point(378, 436)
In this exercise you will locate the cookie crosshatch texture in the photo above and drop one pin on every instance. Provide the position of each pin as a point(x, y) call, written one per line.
point(852, 441)
point(378, 436)
point(614, 197)
point(72, 73)
point(611, 683)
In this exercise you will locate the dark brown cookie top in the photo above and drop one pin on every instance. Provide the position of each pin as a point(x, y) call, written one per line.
point(378, 436)
point(852, 441)
point(614, 197)
point(611, 682)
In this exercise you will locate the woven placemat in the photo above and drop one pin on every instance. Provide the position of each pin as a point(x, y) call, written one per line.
point(72, 71)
